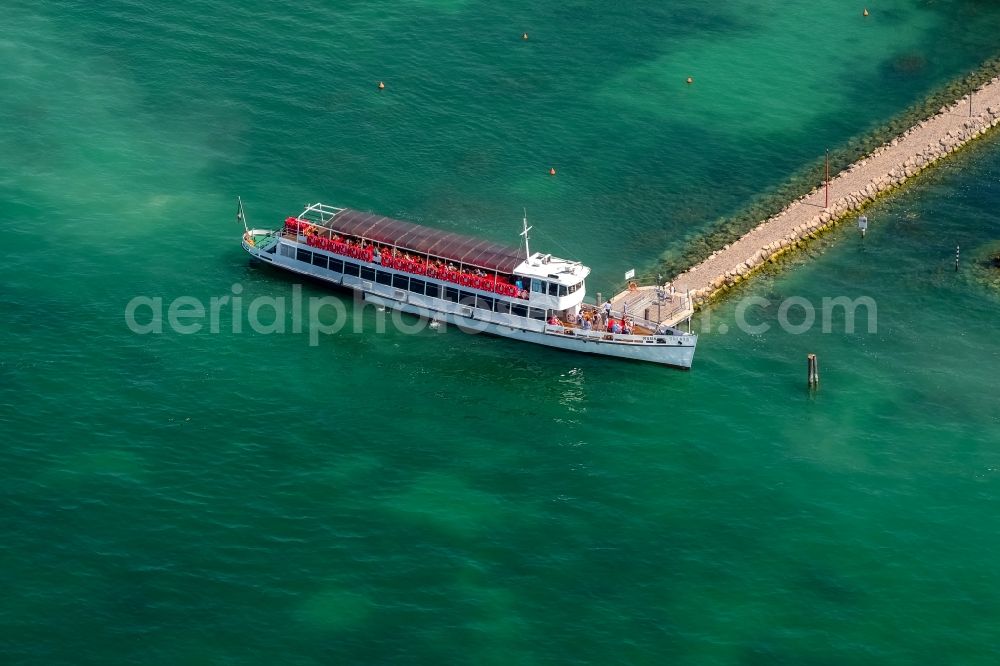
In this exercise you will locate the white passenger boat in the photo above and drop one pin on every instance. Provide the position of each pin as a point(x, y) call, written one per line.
point(476, 284)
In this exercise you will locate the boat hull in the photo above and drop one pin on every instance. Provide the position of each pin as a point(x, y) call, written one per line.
point(675, 349)
point(678, 352)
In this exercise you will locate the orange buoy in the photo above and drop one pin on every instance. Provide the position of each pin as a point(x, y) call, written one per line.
point(381, 86)
point(690, 80)
point(552, 171)
point(524, 35)
point(865, 12)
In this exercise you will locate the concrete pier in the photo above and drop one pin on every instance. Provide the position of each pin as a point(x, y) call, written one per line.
point(885, 168)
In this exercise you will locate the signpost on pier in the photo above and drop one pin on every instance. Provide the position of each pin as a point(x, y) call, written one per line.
point(863, 225)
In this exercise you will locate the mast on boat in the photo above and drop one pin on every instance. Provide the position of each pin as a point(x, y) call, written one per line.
point(527, 252)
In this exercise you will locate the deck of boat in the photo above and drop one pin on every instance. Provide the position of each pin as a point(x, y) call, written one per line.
point(654, 305)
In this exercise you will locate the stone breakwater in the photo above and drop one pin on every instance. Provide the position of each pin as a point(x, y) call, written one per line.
point(887, 167)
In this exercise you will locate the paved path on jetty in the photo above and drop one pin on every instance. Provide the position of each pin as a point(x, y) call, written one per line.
point(885, 168)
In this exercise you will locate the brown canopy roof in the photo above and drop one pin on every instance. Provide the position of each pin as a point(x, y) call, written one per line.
point(425, 240)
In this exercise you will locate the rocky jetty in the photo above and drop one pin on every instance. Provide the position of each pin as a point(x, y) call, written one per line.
point(886, 168)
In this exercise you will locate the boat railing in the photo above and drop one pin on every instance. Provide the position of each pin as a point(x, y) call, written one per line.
point(319, 213)
point(603, 336)
point(680, 308)
point(617, 314)
point(417, 266)
point(261, 239)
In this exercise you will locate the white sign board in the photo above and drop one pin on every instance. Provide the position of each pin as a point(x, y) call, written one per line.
point(862, 223)
point(630, 274)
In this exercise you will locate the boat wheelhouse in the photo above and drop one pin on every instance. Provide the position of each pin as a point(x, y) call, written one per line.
point(460, 279)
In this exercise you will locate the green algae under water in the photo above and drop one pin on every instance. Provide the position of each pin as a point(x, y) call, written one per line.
point(440, 497)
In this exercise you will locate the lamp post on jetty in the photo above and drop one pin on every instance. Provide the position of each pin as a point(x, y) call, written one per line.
point(660, 293)
point(827, 205)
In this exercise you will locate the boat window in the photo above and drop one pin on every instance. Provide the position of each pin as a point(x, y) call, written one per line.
point(319, 260)
point(400, 281)
point(451, 294)
point(351, 268)
point(503, 307)
point(575, 287)
point(433, 290)
point(484, 303)
point(519, 310)
point(563, 291)
point(336, 265)
point(416, 286)
point(383, 278)
point(467, 298)
point(538, 313)
point(537, 286)
point(287, 250)
point(303, 255)
point(367, 273)
point(553, 289)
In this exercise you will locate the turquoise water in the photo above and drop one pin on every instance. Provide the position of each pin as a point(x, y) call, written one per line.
point(440, 497)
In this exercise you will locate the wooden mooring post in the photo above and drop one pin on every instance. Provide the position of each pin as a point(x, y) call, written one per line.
point(812, 367)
